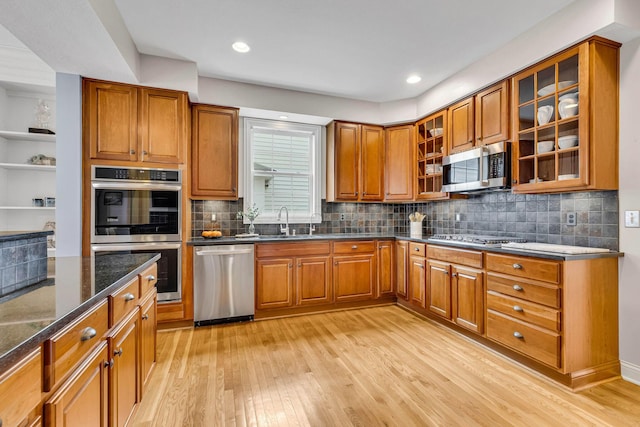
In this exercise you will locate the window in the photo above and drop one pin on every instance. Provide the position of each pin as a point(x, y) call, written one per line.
point(282, 169)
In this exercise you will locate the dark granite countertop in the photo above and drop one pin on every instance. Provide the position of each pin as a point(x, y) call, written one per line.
point(34, 314)
point(7, 236)
point(200, 241)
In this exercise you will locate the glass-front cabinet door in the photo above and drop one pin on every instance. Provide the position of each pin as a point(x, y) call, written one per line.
point(565, 121)
point(431, 140)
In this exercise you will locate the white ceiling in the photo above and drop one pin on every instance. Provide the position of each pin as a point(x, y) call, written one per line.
point(358, 49)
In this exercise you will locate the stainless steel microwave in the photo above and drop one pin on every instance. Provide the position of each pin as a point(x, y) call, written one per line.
point(480, 169)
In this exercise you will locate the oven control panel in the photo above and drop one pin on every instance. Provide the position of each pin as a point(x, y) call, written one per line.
point(136, 174)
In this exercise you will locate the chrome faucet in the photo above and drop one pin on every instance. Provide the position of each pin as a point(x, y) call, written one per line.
point(284, 229)
point(312, 227)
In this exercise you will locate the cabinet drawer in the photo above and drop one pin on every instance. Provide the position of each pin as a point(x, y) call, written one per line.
point(21, 389)
point(419, 249)
point(65, 349)
point(148, 279)
point(539, 292)
point(536, 314)
point(455, 256)
point(532, 268)
point(528, 339)
point(292, 249)
point(123, 301)
point(354, 247)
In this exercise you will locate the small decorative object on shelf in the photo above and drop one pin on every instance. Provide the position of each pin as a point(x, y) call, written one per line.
point(43, 114)
point(41, 159)
point(51, 240)
point(251, 214)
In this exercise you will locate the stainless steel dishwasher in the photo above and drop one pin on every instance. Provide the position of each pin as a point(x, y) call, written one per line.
point(223, 284)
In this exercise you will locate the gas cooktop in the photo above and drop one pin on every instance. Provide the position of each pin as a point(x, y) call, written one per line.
point(475, 239)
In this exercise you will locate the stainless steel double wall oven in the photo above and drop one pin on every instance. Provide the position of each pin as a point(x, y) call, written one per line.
point(138, 210)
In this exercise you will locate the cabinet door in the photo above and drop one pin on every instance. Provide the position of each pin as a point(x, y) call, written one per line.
point(82, 400)
point(468, 298)
point(398, 162)
point(402, 258)
point(163, 125)
point(347, 161)
point(439, 289)
point(274, 287)
point(385, 264)
point(372, 167)
point(417, 280)
point(214, 140)
point(148, 329)
point(110, 120)
point(123, 376)
point(492, 114)
point(21, 389)
point(353, 277)
point(313, 280)
point(461, 126)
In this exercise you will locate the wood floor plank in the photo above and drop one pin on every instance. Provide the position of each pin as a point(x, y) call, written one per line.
point(379, 366)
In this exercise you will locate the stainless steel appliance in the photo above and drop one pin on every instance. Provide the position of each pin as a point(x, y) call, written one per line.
point(135, 204)
point(169, 264)
point(474, 239)
point(136, 210)
point(223, 284)
point(482, 168)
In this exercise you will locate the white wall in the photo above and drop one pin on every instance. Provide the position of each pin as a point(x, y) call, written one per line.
point(69, 165)
point(629, 199)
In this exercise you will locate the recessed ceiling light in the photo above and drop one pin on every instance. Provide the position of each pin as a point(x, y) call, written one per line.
point(284, 117)
point(241, 47)
point(413, 79)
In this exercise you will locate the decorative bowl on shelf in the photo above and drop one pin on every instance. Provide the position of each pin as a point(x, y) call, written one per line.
point(552, 87)
point(544, 114)
point(568, 141)
point(568, 105)
point(568, 176)
point(435, 131)
point(545, 146)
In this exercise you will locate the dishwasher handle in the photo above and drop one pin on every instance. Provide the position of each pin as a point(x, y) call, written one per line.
point(225, 252)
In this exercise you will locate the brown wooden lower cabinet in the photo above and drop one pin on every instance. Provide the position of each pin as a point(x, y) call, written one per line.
point(386, 268)
point(467, 298)
point(148, 330)
point(402, 274)
point(83, 399)
point(313, 280)
point(354, 277)
point(25, 377)
point(439, 288)
point(123, 375)
point(274, 278)
point(417, 280)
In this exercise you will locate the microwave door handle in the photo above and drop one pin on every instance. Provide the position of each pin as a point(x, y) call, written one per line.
point(484, 153)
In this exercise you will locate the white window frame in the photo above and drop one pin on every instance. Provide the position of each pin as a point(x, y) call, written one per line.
point(315, 215)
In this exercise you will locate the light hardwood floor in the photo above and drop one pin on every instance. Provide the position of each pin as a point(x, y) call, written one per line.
point(370, 367)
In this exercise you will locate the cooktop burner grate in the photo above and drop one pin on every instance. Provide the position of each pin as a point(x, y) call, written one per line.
point(476, 239)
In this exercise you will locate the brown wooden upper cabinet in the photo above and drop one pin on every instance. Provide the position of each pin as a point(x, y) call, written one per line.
point(461, 128)
point(565, 121)
point(136, 124)
point(492, 114)
point(214, 152)
point(480, 119)
point(398, 163)
point(431, 147)
point(355, 162)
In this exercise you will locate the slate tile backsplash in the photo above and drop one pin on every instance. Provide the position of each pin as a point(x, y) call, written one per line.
point(535, 217)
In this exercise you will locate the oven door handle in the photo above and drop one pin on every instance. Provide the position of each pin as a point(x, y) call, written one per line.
point(135, 186)
point(134, 246)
